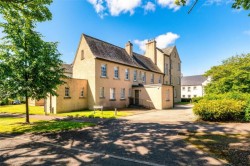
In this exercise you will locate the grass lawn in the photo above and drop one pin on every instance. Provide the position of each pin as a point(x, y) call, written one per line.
point(20, 109)
point(233, 148)
point(98, 114)
point(16, 125)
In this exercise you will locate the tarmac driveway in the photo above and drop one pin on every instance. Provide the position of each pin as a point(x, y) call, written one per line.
point(153, 138)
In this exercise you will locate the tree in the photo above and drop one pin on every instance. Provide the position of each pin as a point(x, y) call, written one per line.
point(237, 4)
point(232, 76)
point(29, 66)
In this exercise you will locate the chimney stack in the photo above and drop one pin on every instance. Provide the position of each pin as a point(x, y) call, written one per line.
point(129, 48)
point(151, 50)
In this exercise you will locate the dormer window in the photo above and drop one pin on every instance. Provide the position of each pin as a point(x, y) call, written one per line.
point(82, 54)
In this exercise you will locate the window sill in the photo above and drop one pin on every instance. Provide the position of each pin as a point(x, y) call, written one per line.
point(126, 80)
point(67, 97)
point(116, 78)
point(105, 77)
point(112, 99)
point(101, 97)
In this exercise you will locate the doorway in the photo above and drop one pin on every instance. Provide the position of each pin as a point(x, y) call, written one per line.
point(137, 97)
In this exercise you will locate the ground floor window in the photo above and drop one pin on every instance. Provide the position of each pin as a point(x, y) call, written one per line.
point(101, 92)
point(82, 92)
point(122, 93)
point(112, 93)
point(67, 94)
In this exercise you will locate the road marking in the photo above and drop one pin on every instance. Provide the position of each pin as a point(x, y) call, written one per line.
point(93, 152)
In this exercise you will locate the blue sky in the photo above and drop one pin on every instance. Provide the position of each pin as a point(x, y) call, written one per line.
point(211, 33)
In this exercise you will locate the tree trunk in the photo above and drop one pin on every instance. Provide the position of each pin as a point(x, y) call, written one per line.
point(27, 109)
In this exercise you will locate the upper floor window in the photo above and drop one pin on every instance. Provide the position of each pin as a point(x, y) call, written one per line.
point(67, 94)
point(82, 54)
point(135, 75)
point(166, 69)
point(179, 67)
point(195, 88)
point(144, 77)
point(159, 81)
point(112, 93)
point(189, 89)
point(152, 78)
point(183, 88)
point(116, 72)
point(183, 96)
point(82, 92)
point(126, 74)
point(104, 70)
point(101, 92)
point(122, 93)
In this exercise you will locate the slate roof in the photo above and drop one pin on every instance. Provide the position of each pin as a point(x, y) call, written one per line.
point(67, 68)
point(168, 50)
point(193, 80)
point(110, 52)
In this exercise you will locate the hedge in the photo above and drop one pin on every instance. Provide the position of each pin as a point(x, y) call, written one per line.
point(222, 110)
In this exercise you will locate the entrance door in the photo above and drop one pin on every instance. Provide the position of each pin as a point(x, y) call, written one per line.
point(136, 97)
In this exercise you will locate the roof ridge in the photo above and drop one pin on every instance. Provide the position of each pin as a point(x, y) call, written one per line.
point(107, 42)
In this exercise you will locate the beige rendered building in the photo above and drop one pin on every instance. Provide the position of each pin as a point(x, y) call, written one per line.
point(114, 77)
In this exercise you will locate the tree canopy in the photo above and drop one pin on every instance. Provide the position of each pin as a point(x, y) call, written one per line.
point(237, 4)
point(233, 75)
point(29, 66)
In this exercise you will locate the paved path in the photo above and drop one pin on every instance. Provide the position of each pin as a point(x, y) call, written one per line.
point(152, 138)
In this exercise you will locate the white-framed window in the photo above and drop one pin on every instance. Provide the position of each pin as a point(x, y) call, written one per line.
point(104, 70)
point(175, 93)
point(166, 69)
point(143, 76)
point(168, 95)
point(122, 93)
point(189, 96)
point(189, 89)
point(195, 95)
point(67, 92)
point(82, 92)
point(183, 88)
point(112, 93)
point(159, 81)
point(82, 54)
point(101, 92)
point(183, 96)
point(126, 74)
point(152, 78)
point(116, 72)
point(179, 67)
point(135, 75)
point(194, 87)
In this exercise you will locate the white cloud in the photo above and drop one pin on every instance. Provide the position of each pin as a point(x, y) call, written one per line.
point(149, 6)
point(117, 7)
point(163, 41)
point(122, 6)
point(247, 32)
point(169, 4)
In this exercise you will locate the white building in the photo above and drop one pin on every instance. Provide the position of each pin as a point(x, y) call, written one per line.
point(193, 86)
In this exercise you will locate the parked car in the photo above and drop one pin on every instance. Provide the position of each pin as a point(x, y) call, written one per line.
point(16, 102)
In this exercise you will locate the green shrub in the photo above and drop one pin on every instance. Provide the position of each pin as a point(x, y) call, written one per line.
point(196, 99)
point(230, 95)
point(247, 113)
point(221, 110)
